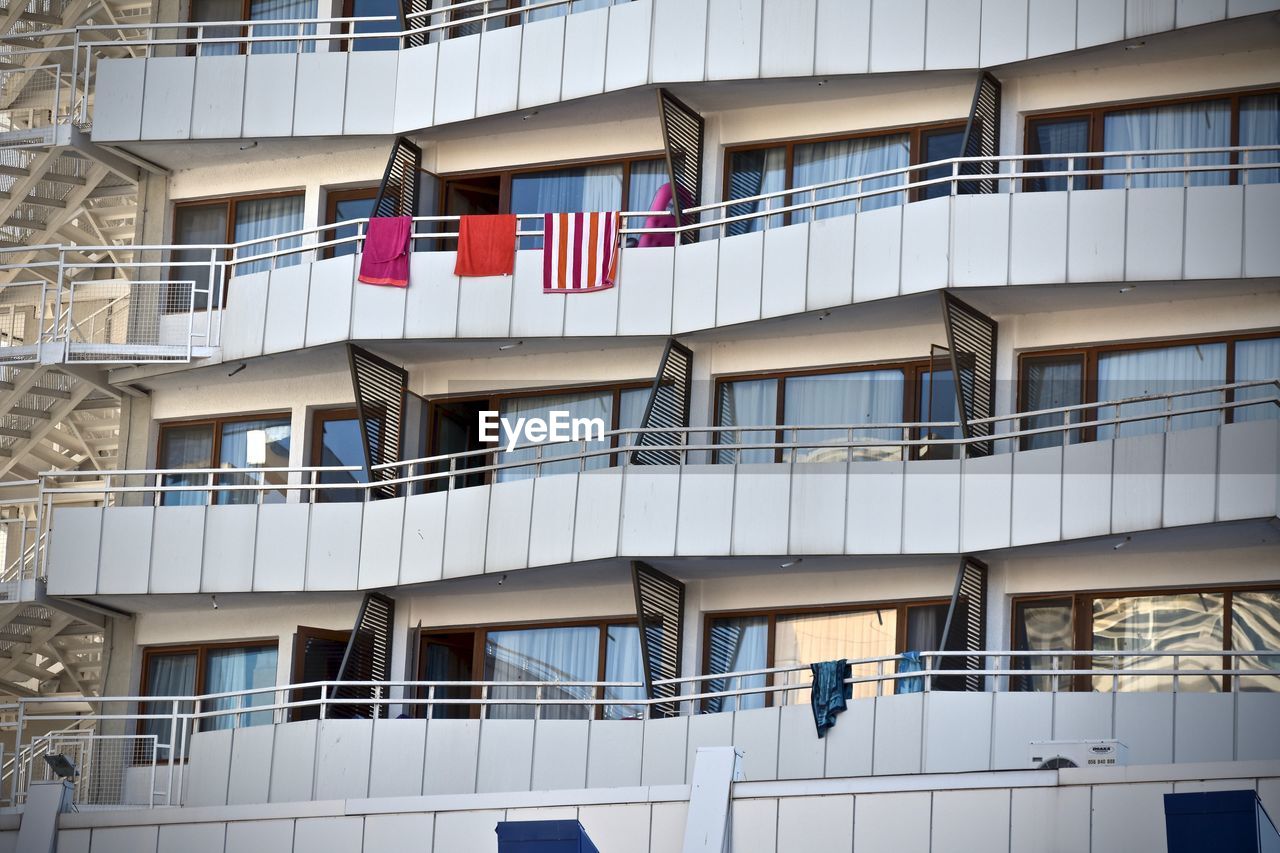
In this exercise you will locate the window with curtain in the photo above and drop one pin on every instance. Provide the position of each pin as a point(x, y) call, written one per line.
point(1057, 136)
point(569, 654)
point(235, 443)
point(574, 190)
point(254, 10)
point(820, 399)
point(263, 218)
point(1260, 125)
point(1050, 383)
point(195, 224)
point(205, 669)
point(1257, 360)
point(821, 162)
point(738, 642)
point(1162, 370)
point(217, 10)
point(1200, 124)
point(1187, 621)
point(586, 405)
point(755, 172)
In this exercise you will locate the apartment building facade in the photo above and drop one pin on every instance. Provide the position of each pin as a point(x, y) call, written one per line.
point(944, 341)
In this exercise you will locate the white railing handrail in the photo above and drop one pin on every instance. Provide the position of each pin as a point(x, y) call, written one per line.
point(225, 255)
point(52, 482)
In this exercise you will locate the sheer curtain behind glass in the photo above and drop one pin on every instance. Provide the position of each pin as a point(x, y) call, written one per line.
point(167, 675)
point(227, 670)
point(578, 190)
point(1163, 370)
point(1258, 359)
point(738, 644)
point(622, 662)
point(1204, 124)
point(1255, 624)
point(1260, 125)
point(1185, 622)
point(562, 9)
point(1051, 383)
point(802, 640)
point(749, 402)
point(254, 444)
point(1043, 626)
point(196, 224)
point(542, 654)
point(217, 10)
point(597, 404)
point(859, 397)
point(280, 10)
point(753, 173)
point(267, 217)
point(186, 447)
point(819, 162)
point(1061, 136)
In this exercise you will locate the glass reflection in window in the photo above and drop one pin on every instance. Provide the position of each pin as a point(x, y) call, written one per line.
point(1184, 622)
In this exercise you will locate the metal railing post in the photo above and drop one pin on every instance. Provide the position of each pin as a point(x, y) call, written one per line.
point(324, 701)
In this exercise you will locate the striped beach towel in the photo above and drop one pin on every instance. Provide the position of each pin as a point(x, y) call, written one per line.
point(579, 252)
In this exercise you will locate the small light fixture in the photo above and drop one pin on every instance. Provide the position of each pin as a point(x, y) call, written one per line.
point(511, 345)
point(1125, 541)
point(824, 315)
point(237, 370)
point(253, 143)
point(1129, 288)
point(502, 580)
point(824, 81)
point(1135, 45)
point(528, 116)
point(214, 600)
point(789, 563)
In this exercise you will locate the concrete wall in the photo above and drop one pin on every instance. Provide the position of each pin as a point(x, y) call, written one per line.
point(605, 50)
point(1099, 488)
point(1101, 811)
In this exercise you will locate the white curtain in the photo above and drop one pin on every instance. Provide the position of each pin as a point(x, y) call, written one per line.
point(1259, 359)
point(1203, 124)
point(859, 397)
point(1138, 373)
point(271, 438)
point(1255, 624)
point(578, 190)
point(631, 405)
point(744, 643)
point(276, 10)
point(647, 176)
point(542, 654)
point(622, 662)
point(186, 447)
point(752, 173)
point(239, 669)
point(262, 218)
point(1061, 136)
point(749, 402)
point(1260, 125)
point(167, 675)
point(802, 640)
point(1050, 383)
point(818, 162)
point(562, 9)
point(1043, 626)
point(597, 404)
point(1183, 622)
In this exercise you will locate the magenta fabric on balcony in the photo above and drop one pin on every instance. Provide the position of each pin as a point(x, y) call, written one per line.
point(386, 251)
point(579, 252)
point(661, 205)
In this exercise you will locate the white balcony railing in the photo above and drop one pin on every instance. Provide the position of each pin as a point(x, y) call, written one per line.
point(178, 718)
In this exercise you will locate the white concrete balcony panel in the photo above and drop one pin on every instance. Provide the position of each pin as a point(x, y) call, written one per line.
point(1118, 486)
point(995, 240)
point(586, 53)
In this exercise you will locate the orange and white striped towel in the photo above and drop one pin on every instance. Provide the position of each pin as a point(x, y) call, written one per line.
point(579, 251)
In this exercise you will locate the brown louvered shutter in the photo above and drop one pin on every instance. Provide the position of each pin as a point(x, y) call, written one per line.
point(367, 658)
point(966, 626)
point(668, 407)
point(982, 135)
point(380, 388)
point(971, 339)
point(398, 192)
point(683, 131)
point(660, 615)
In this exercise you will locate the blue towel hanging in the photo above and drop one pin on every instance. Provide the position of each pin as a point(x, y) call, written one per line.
point(829, 694)
point(910, 662)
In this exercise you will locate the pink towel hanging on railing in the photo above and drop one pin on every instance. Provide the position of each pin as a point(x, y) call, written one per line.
point(661, 205)
point(386, 251)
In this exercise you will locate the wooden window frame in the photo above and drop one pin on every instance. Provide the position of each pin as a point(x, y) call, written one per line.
point(913, 371)
point(1096, 116)
point(201, 651)
point(333, 198)
point(216, 423)
point(480, 633)
point(1089, 354)
point(319, 418)
point(495, 400)
point(1082, 616)
point(915, 137)
point(900, 606)
point(231, 202)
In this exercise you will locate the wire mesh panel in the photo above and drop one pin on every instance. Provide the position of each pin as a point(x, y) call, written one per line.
point(668, 406)
point(971, 339)
point(966, 625)
point(128, 321)
point(107, 770)
point(380, 389)
point(682, 137)
point(367, 658)
point(29, 99)
point(398, 192)
point(660, 613)
point(982, 135)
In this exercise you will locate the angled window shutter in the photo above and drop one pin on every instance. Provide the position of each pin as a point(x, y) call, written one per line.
point(971, 338)
point(982, 135)
point(660, 615)
point(380, 393)
point(367, 658)
point(966, 626)
point(407, 8)
point(668, 407)
point(398, 192)
point(683, 131)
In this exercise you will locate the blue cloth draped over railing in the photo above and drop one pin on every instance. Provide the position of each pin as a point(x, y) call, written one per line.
point(829, 694)
point(910, 662)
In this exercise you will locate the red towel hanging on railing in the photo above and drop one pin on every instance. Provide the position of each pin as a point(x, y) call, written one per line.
point(386, 251)
point(486, 245)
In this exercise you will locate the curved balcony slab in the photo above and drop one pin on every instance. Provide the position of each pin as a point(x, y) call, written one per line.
point(1001, 239)
point(934, 732)
point(1111, 487)
point(604, 50)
